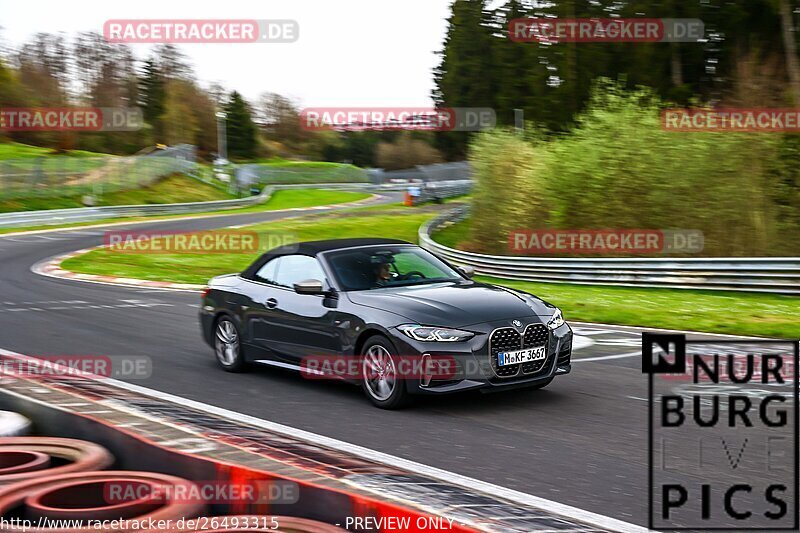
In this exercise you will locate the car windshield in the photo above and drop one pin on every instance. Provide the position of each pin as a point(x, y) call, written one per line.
point(378, 267)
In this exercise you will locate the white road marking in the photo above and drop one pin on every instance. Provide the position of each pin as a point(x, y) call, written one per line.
point(639, 329)
point(48, 302)
point(36, 269)
point(580, 342)
point(637, 398)
point(497, 491)
point(137, 303)
point(604, 357)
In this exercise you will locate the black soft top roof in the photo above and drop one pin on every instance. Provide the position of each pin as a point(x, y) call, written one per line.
point(312, 248)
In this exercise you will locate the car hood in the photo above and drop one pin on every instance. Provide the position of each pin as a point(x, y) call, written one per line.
point(453, 304)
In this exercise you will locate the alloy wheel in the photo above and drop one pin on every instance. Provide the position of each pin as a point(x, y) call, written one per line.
point(227, 344)
point(379, 372)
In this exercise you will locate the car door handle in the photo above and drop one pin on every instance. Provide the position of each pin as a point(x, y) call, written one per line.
point(272, 303)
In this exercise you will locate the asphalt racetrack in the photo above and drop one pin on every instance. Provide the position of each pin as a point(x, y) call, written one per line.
point(581, 442)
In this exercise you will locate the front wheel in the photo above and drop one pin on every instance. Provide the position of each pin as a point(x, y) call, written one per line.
point(227, 346)
point(380, 378)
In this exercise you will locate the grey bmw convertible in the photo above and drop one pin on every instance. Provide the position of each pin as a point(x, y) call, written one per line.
point(384, 314)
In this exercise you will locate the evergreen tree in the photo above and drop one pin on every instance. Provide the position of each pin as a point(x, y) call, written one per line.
point(153, 99)
point(241, 131)
point(466, 75)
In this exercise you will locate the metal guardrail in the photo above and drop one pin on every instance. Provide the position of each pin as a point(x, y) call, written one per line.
point(434, 191)
point(84, 214)
point(752, 274)
point(458, 171)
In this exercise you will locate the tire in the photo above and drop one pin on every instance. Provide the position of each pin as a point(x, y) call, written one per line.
point(62, 502)
point(67, 456)
point(228, 346)
point(384, 389)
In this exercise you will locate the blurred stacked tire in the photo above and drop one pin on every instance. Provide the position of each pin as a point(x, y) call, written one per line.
point(253, 523)
point(13, 424)
point(84, 496)
point(26, 458)
point(64, 479)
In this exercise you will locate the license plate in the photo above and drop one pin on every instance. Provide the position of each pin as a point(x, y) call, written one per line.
point(521, 356)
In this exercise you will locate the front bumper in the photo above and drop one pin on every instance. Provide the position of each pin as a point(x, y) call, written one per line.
point(475, 360)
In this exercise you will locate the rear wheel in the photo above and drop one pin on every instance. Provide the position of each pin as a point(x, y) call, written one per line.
point(380, 379)
point(227, 346)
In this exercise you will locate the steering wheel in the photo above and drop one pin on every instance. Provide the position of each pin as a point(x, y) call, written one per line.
point(409, 275)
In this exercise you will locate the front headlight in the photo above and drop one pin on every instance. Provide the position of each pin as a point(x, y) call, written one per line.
point(434, 334)
point(557, 320)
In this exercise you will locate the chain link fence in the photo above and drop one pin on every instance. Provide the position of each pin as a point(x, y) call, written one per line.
point(259, 174)
point(72, 176)
point(62, 175)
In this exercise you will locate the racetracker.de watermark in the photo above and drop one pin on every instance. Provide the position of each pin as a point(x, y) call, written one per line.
point(755, 119)
point(186, 31)
point(65, 367)
point(70, 119)
point(211, 492)
point(610, 241)
point(398, 118)
point(402, 367)
point(200, 242)
point(605, 30)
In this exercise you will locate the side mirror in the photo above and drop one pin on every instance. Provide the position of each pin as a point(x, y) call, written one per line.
point(467, 271)
point(309, 286)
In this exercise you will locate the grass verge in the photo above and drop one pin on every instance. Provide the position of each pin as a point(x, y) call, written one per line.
point(454, 234)
point(171, 189)
point(711, 311)
point(768, 315)
point(288, 199)
point(198, 268)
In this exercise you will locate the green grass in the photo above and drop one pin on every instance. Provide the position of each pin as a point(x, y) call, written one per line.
point(298, 198)
point(279, 200)
point(454, 234)
point(14, 150)
point(276, 171)
point(198, 268)
point(711, 311)
point(17, 157)
point(172, 189)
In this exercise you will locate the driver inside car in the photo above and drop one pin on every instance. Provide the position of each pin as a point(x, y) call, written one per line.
point(383, 273)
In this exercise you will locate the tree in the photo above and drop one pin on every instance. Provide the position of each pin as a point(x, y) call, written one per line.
point(153, 99)
point(241, 131)
point(790, 49)
point(172, 63)
point(465, 76)
point(279, 117)
point(405, 152)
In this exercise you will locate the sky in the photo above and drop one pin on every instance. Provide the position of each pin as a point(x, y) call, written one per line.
point(349, 52)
